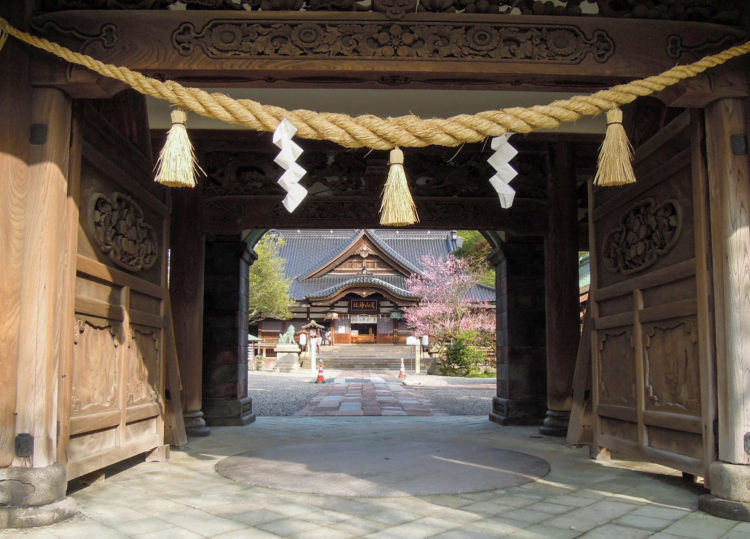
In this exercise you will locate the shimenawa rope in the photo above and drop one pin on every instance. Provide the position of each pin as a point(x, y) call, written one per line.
point(384, 133)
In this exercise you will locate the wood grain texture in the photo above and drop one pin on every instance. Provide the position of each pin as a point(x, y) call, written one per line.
point(117, 391)
point(729, 191)
point(15, 110)
point(45, 296)
point(182, 45)
point(652, 360)
point(579, 427)
point(704, 293)
point(69, 278)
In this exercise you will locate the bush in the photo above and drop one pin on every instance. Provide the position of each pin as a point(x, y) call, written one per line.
point(462, 357)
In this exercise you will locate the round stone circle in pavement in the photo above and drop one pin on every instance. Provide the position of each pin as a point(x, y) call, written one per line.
point(383, 468)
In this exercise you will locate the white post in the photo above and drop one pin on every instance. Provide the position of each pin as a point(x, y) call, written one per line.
point(417, 353)
point(311, 345)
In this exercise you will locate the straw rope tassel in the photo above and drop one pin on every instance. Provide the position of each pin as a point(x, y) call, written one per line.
point(176, 166)
point(385, 133)
point(615, 165)
point(397, 208)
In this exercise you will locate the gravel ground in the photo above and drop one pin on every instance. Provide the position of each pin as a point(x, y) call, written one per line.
point(278, 394)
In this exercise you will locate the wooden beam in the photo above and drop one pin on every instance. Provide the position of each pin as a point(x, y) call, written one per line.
point(228, 215)
point(234, 49)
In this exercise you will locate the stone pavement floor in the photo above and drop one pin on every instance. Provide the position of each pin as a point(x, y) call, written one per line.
point(367, 393)
point(579, 497)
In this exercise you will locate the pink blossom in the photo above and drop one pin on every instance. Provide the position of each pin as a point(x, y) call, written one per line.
point(444, 311)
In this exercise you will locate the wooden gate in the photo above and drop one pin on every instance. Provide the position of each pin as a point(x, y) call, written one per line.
point(652, 350)
point(111, 395)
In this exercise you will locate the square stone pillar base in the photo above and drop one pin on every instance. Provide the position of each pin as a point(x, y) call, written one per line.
point(514, 412)
point(228, 412)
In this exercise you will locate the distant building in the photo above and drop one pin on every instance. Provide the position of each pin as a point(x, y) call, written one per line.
point(353, 281)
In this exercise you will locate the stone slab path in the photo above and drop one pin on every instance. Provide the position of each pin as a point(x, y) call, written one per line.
point(367, 393)
point(186, 498)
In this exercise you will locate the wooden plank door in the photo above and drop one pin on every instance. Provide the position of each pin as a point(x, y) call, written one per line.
point(111, 404)
point(652, 343)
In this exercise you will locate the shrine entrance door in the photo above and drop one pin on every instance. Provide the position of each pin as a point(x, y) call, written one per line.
point(652, 342)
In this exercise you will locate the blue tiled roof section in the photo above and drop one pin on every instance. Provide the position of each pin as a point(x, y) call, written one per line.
point(359, 280)
point(307, 250)
point(299, 290)
point(481, 292)
point(393, 252)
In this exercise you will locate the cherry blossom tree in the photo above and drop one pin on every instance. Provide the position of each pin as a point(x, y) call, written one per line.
point(444, 311)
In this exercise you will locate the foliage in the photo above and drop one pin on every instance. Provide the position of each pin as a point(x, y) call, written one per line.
point(444, 311)
point(269, 288)
point(476, 249)
point(462, 357)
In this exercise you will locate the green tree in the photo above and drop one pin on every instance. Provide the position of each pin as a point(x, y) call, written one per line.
point(475, 250)
point(269, 288)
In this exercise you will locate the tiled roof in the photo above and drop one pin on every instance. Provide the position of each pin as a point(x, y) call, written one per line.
point(359, 280)
point(307, 250)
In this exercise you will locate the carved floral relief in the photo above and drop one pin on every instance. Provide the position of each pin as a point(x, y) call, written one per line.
point(119, 229)
point(556, 43)
point(95, 366)
point(646, 232)
point(143, 359)
point(672, 373)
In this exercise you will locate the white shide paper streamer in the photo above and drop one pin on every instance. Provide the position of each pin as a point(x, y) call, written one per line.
point(504, 152)
point(286, 159)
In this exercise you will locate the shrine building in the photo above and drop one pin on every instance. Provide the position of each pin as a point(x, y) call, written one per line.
point(353, 281)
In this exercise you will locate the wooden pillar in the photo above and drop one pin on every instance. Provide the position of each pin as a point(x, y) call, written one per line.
point(519, 268)
point(41, 306)
point(225, 397)
point(15, 110)
point(187, 248)
point(729, 193)
point(561, 290)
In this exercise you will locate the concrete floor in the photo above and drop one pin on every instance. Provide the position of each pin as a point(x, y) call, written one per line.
point(185, 497)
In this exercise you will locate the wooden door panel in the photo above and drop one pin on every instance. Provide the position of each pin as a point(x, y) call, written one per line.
point(617, 367)
point(96, 370)
point(117, 372)
point(671, 366)
point(652, 397)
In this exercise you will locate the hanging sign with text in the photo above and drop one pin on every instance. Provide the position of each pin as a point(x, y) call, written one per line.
point(363, 305)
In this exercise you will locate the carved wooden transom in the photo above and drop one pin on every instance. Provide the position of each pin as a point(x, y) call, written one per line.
point(119, 229)
point(646, 232)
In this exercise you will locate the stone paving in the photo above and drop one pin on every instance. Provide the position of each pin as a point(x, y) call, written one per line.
point(367, 393)
point(186, 498)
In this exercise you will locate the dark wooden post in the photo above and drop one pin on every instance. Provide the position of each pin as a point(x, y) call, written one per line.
point(561, 290)
point(519, 283)
point(225, 397)
point(729, 193)
point(187, 248)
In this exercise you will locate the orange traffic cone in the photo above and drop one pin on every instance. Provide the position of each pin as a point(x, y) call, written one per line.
point(402, 371)
point(321, 379)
